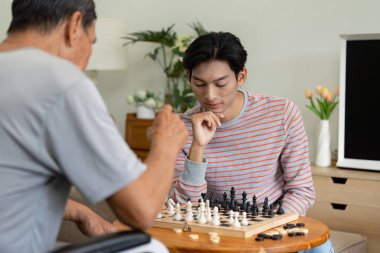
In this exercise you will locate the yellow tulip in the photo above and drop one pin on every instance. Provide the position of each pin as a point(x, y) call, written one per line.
point(325, 92)
point(319, 89)
point(308, 94)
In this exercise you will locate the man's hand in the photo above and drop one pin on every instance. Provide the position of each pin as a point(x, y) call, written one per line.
point(204, 126)
point(88, 222)
point(168, 130)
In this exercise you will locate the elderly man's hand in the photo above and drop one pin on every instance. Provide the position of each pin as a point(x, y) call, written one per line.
point(87, 221)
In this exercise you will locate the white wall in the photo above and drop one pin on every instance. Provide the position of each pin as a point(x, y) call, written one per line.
point(292, 45)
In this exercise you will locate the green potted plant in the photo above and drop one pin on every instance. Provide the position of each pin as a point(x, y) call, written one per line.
point(168, 54)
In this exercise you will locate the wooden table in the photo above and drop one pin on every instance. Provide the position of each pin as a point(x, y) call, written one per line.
point(318, 234)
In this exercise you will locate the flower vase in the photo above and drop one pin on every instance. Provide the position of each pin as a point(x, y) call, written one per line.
point(144, 112)
point(323, 153)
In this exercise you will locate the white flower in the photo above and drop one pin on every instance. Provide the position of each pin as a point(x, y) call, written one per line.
point(160, 104)
point(141, 94)
point(130, 99)
point(150, 103)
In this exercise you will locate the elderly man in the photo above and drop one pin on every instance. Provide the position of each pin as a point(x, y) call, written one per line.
point(55, 132)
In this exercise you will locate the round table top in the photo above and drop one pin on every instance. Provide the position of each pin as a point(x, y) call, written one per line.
point(318, 233)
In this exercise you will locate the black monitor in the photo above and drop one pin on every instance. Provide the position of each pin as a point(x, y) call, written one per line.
point(359, 112)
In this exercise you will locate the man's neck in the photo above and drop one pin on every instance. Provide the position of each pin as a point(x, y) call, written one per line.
point(31, 39)
point(235, 108)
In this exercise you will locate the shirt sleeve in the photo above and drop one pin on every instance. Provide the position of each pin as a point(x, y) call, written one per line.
point(299, 189)
point(189, 180)
point(86, 145)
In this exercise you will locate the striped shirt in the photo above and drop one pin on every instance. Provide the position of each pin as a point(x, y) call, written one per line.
point(262, 151)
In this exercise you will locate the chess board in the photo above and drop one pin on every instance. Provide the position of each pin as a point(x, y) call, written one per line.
point(255, 225)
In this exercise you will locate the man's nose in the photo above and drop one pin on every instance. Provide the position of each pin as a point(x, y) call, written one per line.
point(211, 93)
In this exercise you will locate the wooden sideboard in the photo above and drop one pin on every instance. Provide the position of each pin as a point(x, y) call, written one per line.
point(348, 200)
point(135, 134)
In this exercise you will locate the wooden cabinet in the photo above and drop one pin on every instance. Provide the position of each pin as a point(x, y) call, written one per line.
point(348, 200)
point(135, 134)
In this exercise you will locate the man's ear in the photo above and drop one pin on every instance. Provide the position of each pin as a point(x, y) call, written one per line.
point(242, 76)
point(73, 28)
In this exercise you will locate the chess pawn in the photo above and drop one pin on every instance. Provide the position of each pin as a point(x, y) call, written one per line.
point(170, 208)
point(177, 215)
point(209, 215)
point(236, 222)
point(216, 212)
point(189, 216)
point(189, 206)
point(216, 219)
point(231, 219)
point(202, 218)
point(244, 221)
point(280, 210)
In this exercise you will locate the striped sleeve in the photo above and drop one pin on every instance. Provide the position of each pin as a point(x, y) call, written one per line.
point(189, 181)
point(299, 189)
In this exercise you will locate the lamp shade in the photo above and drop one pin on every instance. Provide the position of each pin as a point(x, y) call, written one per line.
point(108, 51)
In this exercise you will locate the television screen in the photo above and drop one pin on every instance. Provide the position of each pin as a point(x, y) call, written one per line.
point(359, 133)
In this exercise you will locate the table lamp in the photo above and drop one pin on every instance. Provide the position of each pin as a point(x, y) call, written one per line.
point(108, 51)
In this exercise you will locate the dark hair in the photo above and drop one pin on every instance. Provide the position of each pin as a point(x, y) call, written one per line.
point(45, 15)
point(216, 46)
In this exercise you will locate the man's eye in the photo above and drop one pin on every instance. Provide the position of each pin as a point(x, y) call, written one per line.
point(199, 84)
point(221, 85)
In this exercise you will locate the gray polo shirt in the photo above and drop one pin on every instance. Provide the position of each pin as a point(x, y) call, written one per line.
point(55, 131)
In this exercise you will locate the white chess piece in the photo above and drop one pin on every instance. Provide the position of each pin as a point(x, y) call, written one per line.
point(189, 206)
point(236, 222)
point(216, 212)
point(231, 219)
point(202, 217)
point(207, 204)
point(209, 215)
point(178, 215)
point(244, 221)
point(170, 208)
point(159, 215)
point(189, 216)
point(216, 218)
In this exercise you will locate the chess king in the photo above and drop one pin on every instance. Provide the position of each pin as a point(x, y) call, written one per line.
point(254, 142)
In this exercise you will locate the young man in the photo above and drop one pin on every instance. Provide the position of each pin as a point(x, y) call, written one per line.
point(254, 143)
point(56, 132)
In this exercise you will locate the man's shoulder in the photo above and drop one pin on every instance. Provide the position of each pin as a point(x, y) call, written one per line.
point(259, 100)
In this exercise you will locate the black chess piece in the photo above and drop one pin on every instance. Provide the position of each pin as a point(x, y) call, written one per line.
point(203, 194)
point(232, 197)
point(244, 200)
point(271, 211)
point(246, 209)
point(212, 200)
point(254, 198)
point(280, 210)
point(255, 211)
point(266, 206)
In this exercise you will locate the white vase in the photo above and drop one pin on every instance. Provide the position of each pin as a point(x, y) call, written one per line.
point(323, 154)
point(144, 112)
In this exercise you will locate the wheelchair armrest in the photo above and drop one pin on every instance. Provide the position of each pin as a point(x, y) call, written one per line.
point(113, 242)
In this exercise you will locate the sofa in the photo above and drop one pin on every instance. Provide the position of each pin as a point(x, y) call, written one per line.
point(343, 242)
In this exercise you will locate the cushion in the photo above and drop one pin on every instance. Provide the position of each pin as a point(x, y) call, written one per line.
point(346, 242)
